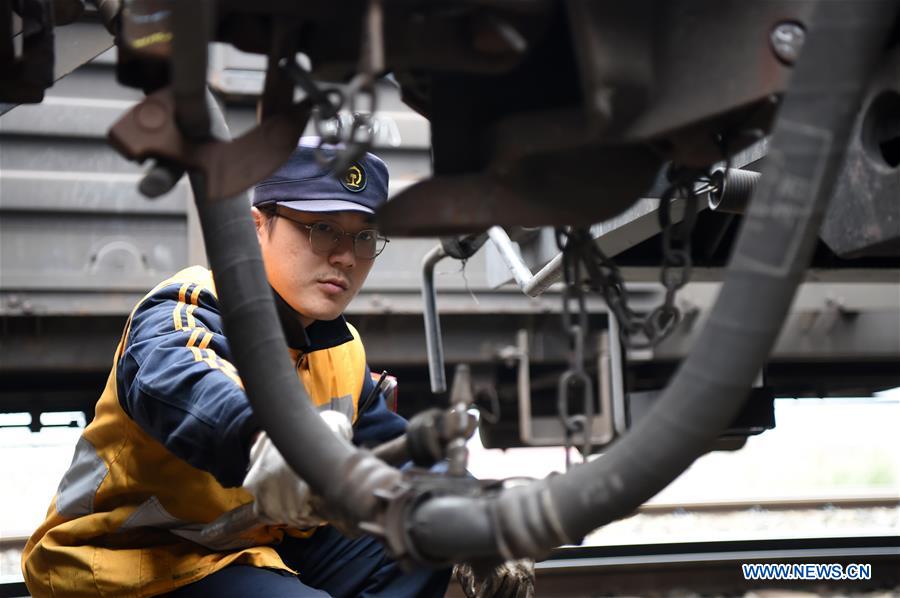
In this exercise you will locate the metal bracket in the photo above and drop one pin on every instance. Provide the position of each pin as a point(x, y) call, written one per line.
point(613, 236)
point(149, 131)
point(548, 431)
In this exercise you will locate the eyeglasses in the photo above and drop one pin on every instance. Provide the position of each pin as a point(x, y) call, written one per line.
point(324, 237)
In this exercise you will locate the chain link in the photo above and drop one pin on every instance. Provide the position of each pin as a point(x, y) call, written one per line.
point(641, 331)
point(575, 378)
point(358, 134)
point(637, 330)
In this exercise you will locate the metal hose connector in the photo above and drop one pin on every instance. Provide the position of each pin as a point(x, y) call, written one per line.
point(732, 190)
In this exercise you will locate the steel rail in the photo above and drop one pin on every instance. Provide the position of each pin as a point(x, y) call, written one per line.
point(713, 567)
point(719, 551)
point(858, 501)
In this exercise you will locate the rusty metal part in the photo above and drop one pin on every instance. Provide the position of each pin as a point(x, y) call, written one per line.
point(24, 78)
point(7, 32)
point(67, 11)
point(864, 218)
point(700, 47)
point(448, 205)
point(542, 189)
point(74, 45)
point(474, 70)
point(278, 90)
point(500, 159)
point(148, 131)
point(614, 51)
point(482, 37)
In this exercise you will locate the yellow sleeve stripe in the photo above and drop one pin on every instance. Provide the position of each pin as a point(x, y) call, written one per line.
point(234, 378)
point(196, 352)
point(206, 339)
point(226, 364)
point(177, 318)
point(183, 291)
point(223, 366)
point(196, 333)
point(176, 315)
point(184, 311)
point(215, 362)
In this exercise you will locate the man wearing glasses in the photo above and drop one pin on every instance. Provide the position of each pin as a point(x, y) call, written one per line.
point(174, 443)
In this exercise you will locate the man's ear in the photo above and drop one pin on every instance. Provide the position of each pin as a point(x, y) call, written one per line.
point(259, 221)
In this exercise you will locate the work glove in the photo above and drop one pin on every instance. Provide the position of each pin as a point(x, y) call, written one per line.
point(281, 497)
point(512, 579)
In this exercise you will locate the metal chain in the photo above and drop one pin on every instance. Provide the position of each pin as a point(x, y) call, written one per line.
point(675, 271)
point(640, 331)
point(606, 278)
point(326, 106)
point(574, 379)
point(578, 249)
point(361, 91)
point(361, 96)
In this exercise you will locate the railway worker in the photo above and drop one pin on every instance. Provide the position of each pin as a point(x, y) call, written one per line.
point(174, 438)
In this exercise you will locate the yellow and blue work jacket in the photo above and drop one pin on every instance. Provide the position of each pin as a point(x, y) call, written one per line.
point(168, 449)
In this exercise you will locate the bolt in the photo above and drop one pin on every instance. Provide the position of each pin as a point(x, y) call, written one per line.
point(787, 40)
point(161, 178)
point(151, 115)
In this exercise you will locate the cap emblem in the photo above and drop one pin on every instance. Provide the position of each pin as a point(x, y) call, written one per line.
point(354, 180)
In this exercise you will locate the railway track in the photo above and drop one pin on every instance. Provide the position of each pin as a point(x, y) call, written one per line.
point(855, 501)
point(689, 568)
point(705, 568)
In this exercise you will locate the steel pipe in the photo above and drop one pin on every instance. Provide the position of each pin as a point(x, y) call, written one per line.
point(434, 346)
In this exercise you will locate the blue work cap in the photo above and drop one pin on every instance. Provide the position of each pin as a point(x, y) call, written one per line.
point(304, 183)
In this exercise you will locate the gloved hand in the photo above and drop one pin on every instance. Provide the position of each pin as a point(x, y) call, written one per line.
point(281, 497)
point(512, 579)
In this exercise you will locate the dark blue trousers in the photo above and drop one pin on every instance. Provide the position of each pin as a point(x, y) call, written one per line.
point(329, 565)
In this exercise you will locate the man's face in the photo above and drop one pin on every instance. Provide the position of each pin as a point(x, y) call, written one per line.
point(318, 285)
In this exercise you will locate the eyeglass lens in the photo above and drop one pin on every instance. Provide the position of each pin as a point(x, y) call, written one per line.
point(367, 244)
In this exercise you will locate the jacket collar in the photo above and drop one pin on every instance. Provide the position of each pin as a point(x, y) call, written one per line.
point(321, 334)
